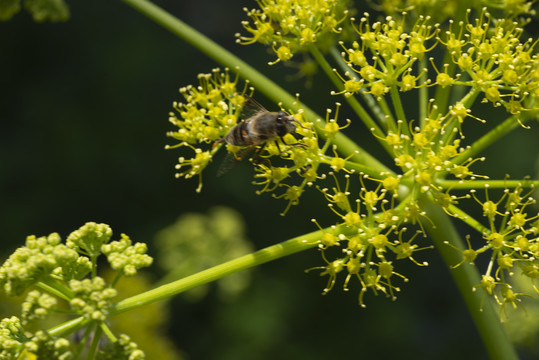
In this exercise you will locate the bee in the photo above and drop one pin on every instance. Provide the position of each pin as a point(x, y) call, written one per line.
point(261, 127)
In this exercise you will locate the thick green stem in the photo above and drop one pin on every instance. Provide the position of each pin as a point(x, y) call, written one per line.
point(68, 327)
point(481, 184)
point(466, 277)
point(95, 343)
point(259, 257)
point(56, 288)
point(261, 82)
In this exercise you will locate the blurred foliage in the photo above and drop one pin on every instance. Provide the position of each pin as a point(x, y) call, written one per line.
point(41, 10)
point(148, 325)
point(196, 242)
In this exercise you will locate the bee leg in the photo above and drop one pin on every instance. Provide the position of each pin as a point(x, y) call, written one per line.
point(259, 150)
point(220, 141)
point(257, 159)
point(278, 147)
point(292, 145)
point(242, 154)
point(300, 124)
point(261, 161)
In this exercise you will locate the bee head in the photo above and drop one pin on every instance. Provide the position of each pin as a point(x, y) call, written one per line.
point(285, 123)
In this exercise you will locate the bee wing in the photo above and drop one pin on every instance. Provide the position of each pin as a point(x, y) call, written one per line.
point(231, 160)
point(250, 108)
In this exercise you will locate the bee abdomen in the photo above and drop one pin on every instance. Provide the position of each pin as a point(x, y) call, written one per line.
point(239, 135)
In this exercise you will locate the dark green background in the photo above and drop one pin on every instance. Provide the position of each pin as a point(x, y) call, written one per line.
point(84, 108)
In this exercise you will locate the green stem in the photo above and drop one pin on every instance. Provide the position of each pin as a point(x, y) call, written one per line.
point(481, 184)
point(56, 287)
point(95, 343)
point(259, 257)
point(442, 94)
point(68, 327)
point(372, 104)
point(108, 332)
point(399, 111)
point(466, 277)
point(261, 82)
point(397, 105)
point(83, 341)
point(468, 219)
point(352, 101)
point(468, 99)
point(389, 119)
point(489, 138)
point(423, 92)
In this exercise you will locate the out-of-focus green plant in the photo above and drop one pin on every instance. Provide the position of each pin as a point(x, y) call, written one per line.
point(146, 327)
point(442, 63)
point(41, 10)
point(197, 241)
point(58, 277)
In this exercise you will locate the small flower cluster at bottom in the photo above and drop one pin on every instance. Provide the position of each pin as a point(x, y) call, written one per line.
point(59, 271)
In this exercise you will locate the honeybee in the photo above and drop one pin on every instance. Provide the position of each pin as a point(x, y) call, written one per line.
point(259, 128)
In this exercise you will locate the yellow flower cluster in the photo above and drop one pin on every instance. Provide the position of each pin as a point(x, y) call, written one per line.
point(383, 61)
point(379, 209)
point(209, 111)
point(290, 26)
point(494, 61)
point(384, 56)
point(512, 241)
point(370, 236)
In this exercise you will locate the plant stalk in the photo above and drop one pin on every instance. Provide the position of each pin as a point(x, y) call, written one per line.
point(259, 257)
point(466, 277)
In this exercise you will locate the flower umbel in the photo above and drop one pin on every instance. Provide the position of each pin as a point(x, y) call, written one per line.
point(211, 109)
point(244, 128)
point(512, 241)
point(59, 271)
point(381, 210)
point(291, 26)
